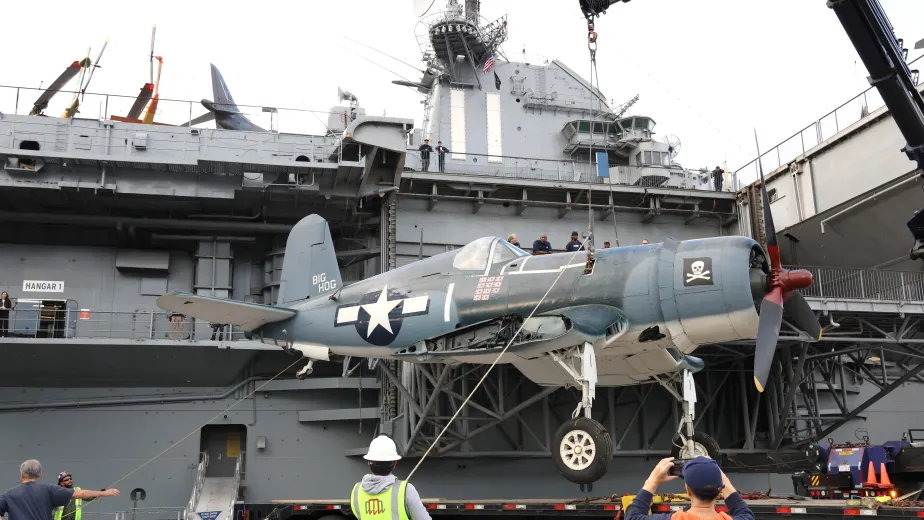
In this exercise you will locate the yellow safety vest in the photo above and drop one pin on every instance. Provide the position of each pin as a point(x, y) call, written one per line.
point(78, 505)
point(389, 505)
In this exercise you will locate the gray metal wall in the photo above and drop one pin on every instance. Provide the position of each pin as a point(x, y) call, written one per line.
point(452, 223)
point(301, 460)
point(89, 274)
point(526, 132)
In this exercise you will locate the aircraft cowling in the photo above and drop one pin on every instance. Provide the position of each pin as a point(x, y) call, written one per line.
point(707, 289)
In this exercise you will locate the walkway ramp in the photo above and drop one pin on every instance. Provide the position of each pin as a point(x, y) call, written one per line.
point(216, 501)
point(213, 498)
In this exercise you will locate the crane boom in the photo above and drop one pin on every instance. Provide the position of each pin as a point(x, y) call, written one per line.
point(872, 35)
point(884, 56)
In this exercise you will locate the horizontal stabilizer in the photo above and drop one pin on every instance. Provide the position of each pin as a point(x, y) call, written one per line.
point(247, 316)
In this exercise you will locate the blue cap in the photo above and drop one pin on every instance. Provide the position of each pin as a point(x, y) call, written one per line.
point(702, 472)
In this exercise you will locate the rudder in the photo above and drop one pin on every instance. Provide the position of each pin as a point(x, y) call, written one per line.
point(220, 93)
point(309, 267)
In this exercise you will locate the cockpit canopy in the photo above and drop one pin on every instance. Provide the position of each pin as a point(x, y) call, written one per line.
point(481, 253)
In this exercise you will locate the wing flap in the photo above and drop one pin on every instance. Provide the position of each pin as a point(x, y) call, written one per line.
point(247, 316)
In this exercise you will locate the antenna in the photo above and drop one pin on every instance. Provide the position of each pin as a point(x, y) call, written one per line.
point(345, 95)
point(153, 32)
point(422, 7)
point(94, 66)
point(673, 145)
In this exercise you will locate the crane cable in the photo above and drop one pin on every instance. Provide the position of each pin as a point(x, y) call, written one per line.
point(595, 83)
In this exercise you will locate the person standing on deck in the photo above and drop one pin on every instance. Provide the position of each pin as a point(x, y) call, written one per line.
point(6, 305)
point(34, 500)
point(441, 155)
point(380, 496)
point(71, 511)
point(425, 150)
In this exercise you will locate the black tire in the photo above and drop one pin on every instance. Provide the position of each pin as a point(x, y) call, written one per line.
point(705, 441)
point(589, 463)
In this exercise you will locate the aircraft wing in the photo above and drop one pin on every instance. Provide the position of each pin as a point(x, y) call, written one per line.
point(247, 316)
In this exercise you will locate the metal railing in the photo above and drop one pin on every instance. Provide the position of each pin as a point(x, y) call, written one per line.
point(822, 129)
point(238, 473)
point(562, 170)
point(19, 100)
point(29, 320)
point(146, 513)
point(197, 485)
point(865, 284)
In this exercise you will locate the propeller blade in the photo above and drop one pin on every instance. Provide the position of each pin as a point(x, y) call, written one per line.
point(769, 228)
point(796, 306)
point(768, 332)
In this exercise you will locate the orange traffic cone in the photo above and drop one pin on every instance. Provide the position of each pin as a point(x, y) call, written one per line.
point(884, 476)
point(871, 476)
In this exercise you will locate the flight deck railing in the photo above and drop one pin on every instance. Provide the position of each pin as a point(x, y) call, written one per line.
point(174, 112)
point(817, 132)
point(560, 170)
point(45, 319)
point(833, 283)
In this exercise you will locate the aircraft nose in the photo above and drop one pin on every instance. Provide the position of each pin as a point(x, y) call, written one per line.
point(760, 284)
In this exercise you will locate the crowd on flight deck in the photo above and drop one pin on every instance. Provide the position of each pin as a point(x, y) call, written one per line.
point(542, 246)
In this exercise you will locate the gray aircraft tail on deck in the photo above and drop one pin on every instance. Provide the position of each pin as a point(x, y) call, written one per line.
point(223, 109)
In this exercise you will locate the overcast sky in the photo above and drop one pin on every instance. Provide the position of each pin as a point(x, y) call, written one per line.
point(707, 71)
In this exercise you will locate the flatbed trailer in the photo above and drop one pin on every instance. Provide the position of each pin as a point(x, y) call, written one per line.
point(612, 507)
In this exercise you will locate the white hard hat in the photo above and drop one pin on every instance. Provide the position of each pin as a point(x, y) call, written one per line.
point(382, 449)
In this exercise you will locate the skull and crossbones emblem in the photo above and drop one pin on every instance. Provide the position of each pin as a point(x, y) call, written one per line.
point(698, 272)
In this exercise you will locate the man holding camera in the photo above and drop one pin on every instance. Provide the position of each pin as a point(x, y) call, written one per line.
point(705, 483)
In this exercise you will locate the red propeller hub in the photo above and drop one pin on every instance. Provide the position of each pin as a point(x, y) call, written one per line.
point(790, 280)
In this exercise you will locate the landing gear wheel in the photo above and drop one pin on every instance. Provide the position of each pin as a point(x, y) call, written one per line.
point(582, 450)
point(703, 445)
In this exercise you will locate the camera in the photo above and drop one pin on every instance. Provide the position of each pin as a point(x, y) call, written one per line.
point(676, 469)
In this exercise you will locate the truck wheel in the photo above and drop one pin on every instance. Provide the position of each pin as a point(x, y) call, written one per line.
point(582, 450)
point(703, 445)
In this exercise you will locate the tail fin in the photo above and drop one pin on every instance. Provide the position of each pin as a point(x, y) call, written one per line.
point(309, 267)
point(221, 96)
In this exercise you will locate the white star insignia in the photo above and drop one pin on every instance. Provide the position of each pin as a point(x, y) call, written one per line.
point(378, 312)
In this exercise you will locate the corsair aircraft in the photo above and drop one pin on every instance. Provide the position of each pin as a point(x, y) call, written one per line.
point(614, 317)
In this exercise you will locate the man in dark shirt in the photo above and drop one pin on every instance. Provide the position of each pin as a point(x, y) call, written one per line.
point(441, 151)
point(705, 483)
point(718, 177)
point(33, 500)
point(425, 150)
point(575, 244)
point(542, 246)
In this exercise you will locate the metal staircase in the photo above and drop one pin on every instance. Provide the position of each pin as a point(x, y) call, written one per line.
point(213, 498)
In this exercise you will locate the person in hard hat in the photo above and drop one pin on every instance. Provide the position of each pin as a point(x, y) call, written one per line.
point(380, 493)
point(73, 509)
point(705, 483)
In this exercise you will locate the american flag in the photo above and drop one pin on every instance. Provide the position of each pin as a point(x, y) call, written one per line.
point(488, 63)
